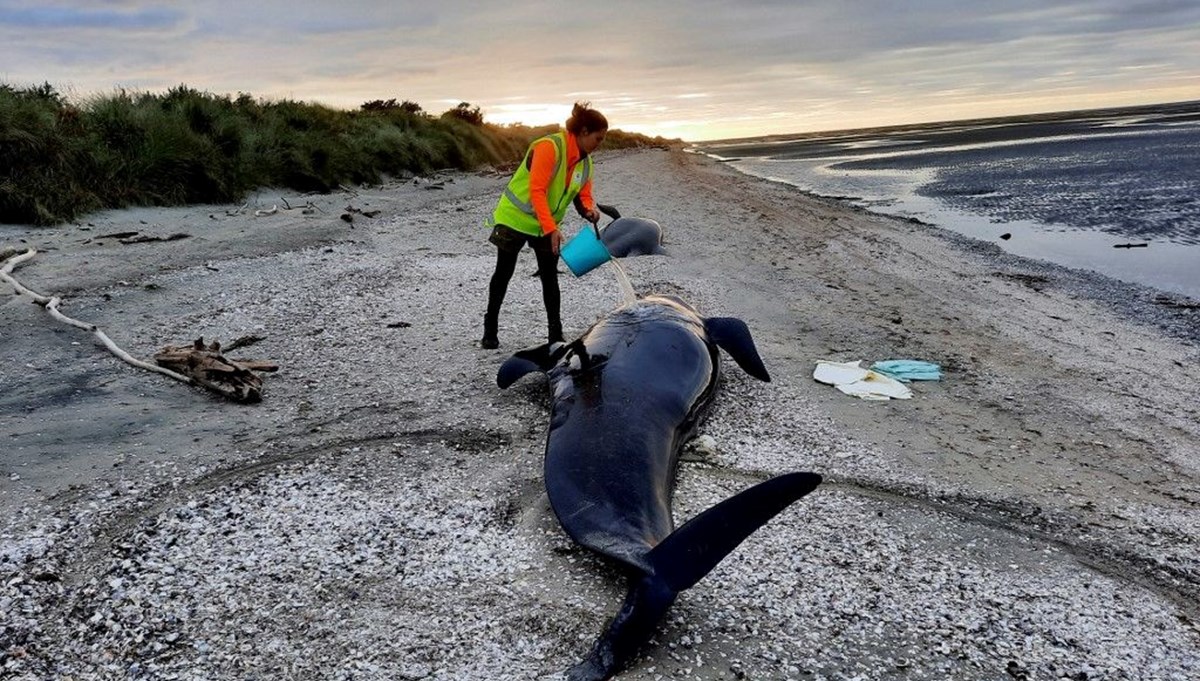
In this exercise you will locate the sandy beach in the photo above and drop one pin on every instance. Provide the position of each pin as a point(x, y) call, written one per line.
point(380, 514)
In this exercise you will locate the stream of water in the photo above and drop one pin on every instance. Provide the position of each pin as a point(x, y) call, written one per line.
point(627, 293)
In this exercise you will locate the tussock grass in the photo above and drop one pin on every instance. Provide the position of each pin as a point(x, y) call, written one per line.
point(60, 160)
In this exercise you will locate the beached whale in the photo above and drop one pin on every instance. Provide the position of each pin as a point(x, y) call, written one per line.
point(627, 395)
point(625, 237)
point(629, 237)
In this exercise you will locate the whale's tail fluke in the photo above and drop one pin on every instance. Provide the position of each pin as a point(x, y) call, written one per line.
point(648, 599)
point(681, 560)
point(694, 549)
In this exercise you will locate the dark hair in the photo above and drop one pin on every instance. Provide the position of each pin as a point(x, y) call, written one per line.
point(584, 116)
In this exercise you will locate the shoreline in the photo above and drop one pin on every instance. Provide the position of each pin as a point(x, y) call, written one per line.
point(1043, 199)
point(386, 498)
point(1133, 301)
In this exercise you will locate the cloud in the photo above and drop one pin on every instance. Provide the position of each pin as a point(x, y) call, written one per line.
point(41, 17)
point(770, 63)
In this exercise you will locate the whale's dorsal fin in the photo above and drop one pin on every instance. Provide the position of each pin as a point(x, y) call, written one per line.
point(527, 361)
point(695, 548)
point(733, 336)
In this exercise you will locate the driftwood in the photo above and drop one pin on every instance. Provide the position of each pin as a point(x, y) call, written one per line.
point(194, 364)
point(145, 238)
point(138, 238)
point(205, 365)
point(1180, 304)
point(51, 304)
point(367, 213)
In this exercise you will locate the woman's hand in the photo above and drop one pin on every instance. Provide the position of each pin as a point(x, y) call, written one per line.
point(556, 241)
point(591, 215)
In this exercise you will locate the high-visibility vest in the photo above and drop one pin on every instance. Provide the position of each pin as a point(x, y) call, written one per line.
point(514, 208)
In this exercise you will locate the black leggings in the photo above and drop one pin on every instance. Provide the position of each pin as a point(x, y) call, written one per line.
point(506, 264)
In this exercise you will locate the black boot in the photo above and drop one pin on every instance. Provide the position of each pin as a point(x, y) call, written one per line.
point(554, 333)
point(490, 341)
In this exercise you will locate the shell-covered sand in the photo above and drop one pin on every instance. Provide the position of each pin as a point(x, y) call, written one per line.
point(380, 515)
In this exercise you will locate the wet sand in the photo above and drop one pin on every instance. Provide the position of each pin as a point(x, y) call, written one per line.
point(380, 514)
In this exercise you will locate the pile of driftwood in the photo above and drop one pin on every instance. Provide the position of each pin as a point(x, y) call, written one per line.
point(205, 365)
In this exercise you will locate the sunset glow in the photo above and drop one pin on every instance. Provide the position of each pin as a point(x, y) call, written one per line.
point(722, 70)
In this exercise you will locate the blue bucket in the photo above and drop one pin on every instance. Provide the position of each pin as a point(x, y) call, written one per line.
point(584, 252)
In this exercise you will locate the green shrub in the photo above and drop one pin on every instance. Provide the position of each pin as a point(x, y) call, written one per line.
point(44, 161)
point(59, 161)
point(466, 113)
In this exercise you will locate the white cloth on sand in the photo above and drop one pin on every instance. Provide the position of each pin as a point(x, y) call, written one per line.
point(852, 379)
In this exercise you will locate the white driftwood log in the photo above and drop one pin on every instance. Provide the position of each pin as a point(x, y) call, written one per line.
point(51, 304)
point(6, 274)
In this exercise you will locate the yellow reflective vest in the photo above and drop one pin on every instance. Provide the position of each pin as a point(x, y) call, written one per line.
point(515, 210)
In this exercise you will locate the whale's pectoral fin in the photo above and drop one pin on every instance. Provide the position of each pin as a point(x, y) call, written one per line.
point(695, 548)
point(733, 336)
point(528, 361)
point(610, 211)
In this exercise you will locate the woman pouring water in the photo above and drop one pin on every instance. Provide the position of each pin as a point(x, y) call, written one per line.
point(555, 174)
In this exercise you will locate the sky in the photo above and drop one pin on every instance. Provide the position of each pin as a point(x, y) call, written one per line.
point(696, 70)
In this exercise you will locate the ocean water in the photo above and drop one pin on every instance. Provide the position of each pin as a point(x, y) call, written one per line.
point(1117, 192)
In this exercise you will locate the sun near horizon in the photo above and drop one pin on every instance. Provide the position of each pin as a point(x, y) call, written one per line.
point(692, 125)
point(704, 117)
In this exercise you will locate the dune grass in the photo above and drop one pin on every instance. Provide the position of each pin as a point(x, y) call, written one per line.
point(60, 160)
